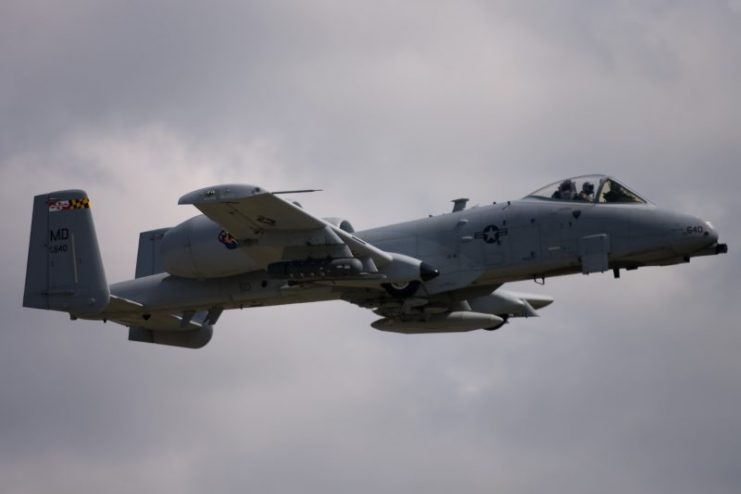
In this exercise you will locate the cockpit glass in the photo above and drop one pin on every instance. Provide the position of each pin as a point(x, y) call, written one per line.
point(612, 191)
point(588, 188)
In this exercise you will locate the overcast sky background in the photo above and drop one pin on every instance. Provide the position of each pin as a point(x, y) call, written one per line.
point(393, 108)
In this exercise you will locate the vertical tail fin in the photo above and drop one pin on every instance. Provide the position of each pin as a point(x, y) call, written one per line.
point(148, 259)
point(64, 270)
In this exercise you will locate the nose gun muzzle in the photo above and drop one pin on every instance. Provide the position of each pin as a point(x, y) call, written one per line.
point(714, 248)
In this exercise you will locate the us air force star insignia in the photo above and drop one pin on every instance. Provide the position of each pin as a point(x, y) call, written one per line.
point(492, 234)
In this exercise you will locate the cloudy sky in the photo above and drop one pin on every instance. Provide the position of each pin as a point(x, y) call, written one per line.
point(393, 108)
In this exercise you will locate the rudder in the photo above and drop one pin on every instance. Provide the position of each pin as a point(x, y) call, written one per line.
point(64, 270)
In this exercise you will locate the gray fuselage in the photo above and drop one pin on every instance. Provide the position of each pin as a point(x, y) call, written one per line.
point(476, 247)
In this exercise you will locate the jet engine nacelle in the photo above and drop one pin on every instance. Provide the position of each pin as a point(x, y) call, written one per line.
point(200, 248)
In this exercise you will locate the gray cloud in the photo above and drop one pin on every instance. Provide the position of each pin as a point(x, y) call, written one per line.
point(393, 109)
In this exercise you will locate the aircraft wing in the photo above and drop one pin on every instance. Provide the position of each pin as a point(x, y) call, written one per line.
point(251, 213)
point(188, 329)
point(130, 313)
point(246, 210)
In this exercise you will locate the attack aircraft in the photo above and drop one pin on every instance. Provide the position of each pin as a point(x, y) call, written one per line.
point(252, 248)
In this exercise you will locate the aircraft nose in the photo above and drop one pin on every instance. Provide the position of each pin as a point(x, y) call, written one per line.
point(707, 236)
point(713, 236)
point(691, 234)
point(710, 232)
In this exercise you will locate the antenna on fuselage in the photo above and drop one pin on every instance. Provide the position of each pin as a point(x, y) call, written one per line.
point(459, 204)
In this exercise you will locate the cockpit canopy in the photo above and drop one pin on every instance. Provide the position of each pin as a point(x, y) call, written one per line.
point(599, 189)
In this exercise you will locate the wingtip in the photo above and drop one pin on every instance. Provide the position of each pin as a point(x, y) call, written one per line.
point(220, 193)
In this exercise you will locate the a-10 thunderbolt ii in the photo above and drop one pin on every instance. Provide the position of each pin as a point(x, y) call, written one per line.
point(251, 248)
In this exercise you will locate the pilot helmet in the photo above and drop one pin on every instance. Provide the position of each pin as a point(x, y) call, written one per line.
point(565, 185)
point(588, 187)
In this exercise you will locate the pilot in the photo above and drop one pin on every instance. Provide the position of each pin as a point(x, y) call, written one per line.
point(565, 191)
point(587, 192)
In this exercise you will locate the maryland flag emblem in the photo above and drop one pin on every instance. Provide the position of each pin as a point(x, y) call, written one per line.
point(56, 206)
